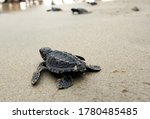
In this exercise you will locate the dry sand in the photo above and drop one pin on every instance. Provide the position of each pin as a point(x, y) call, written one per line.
point(112, 36)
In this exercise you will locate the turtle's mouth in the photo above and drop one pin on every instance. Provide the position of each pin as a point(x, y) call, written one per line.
point(44, 58)
point(43, 55)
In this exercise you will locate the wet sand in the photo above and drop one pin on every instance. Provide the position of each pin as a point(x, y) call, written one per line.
point(112, 36)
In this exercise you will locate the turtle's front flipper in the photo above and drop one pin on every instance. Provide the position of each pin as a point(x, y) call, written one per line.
point(36, 75)
point(81, 58)
point(93, 68)
point(65, 82)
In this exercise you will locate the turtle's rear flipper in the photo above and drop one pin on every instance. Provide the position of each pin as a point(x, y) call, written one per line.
point(93, 68)
point(36, 75)
point(65, 82)
point(81, 58)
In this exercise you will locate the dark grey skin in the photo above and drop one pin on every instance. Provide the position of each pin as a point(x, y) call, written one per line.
point(79, 11)
point(62, 63)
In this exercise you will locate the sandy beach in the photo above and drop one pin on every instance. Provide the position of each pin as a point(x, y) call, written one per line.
point(112, 36)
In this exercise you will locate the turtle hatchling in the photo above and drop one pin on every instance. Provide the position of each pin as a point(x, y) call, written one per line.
point(54, 9)
point(62, 63)
point(79, 11)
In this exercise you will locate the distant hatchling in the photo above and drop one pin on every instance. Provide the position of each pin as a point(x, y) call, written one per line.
point(55, 9)
point(79, 11)
point(136, 9)
point(92, 3)
point(62, 63)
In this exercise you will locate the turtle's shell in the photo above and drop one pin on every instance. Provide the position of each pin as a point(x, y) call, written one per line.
point(63, 62)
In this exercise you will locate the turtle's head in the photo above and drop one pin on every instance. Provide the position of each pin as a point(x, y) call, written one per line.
point(44, 52)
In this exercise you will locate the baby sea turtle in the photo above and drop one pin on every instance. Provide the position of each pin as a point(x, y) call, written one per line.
point(55, 9)
point(79, 11)
point(92, 3)
point(136, 9)
point(62, 63)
